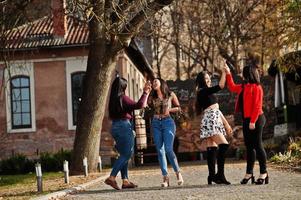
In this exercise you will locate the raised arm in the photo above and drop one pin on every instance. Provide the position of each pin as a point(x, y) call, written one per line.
point(230, 83)
point(130, 105)
point(222, 81)
point(210, 90)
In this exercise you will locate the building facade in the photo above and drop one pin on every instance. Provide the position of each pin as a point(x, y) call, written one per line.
point(41, 85)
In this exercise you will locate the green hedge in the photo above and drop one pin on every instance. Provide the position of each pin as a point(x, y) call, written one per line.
point(54, 162)
point(20, 164)
point(17, 164)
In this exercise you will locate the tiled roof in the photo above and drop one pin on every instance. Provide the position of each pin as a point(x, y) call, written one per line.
point(40, 34)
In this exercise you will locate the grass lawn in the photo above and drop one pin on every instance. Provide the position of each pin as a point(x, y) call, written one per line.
point(12, 180)
point(25, 186)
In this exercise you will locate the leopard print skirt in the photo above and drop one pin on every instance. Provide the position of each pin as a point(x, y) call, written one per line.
point(211, 123)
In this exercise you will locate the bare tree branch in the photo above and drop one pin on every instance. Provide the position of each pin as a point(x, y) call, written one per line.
point(132, 27)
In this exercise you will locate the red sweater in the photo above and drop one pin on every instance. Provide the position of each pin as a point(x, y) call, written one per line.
point(129, 106)
point(253, 96)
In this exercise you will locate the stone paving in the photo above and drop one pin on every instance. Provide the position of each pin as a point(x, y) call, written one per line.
point(283, 185)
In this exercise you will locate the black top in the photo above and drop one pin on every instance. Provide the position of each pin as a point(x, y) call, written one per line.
point(206, 97)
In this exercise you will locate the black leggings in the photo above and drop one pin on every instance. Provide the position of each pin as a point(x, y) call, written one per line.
point(253, 142)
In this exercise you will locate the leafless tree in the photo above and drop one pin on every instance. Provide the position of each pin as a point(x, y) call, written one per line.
point(112, 25)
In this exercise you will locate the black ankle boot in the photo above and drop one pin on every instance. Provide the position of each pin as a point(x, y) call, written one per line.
point(213, 179)
point(221, 179)
point(211, 157)
point(220, 176)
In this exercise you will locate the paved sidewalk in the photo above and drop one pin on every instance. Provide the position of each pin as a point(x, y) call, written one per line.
point(283, 185)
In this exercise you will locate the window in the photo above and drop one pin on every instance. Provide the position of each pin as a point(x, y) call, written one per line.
point(133, 89)
point(20, 102)
point(129, 86)
point(77, 88)
point(20, 97)
point(75, 73)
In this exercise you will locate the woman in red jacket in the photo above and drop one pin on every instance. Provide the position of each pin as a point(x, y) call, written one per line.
point(249, 102)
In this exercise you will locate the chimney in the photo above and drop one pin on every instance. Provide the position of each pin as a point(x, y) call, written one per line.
point(59, 18)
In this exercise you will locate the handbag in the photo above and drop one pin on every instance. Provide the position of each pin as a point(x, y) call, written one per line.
point(179, 116)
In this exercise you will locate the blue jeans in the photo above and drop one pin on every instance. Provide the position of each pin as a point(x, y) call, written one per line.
point(164, 134)
point(122, 133)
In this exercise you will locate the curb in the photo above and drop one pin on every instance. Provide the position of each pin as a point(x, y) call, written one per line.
point(65, 192)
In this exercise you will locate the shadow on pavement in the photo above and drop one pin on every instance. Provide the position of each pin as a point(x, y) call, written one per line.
point(153, 189)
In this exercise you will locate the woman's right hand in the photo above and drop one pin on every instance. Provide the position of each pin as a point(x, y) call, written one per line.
point(147, 87)
point(226, 68)
point(229, 130)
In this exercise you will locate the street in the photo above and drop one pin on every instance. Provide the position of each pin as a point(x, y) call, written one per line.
point(283, 185)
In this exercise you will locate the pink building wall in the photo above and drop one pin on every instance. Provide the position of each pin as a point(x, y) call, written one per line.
point(52, 133)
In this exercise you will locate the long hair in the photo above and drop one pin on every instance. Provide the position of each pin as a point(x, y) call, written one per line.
point(250, 70)
point(200, 83)
point(164, 89)
point(117, 91)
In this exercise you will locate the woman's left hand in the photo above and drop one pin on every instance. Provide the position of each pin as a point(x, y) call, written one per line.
point(252, 126)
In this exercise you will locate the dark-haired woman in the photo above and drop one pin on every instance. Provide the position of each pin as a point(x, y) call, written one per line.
point(120, 109)
point(164, 128)
point(214, 126)
point(249, 103)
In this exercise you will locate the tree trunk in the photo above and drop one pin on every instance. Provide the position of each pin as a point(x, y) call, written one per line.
point(157, 53)
point(178, 57)
point(101, 63)
point(175, 25)
point(104, 47)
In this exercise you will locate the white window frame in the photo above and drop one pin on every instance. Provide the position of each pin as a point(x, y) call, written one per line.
point(72, 66)
point(20, 69)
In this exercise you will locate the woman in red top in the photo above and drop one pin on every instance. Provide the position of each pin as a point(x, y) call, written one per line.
point(249, 102)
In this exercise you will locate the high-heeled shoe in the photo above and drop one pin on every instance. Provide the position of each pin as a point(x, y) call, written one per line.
point(246, 180)
point(165, 182)
point(180, 178)
point(260, 181)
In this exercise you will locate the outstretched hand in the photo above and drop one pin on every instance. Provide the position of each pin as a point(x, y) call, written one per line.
point(147, 87)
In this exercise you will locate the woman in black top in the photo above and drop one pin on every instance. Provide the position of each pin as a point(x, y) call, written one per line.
point(214, 126)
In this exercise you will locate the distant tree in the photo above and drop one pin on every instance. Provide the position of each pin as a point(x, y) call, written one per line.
point(177, 26)
point(292, 19)
point(161, 45)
